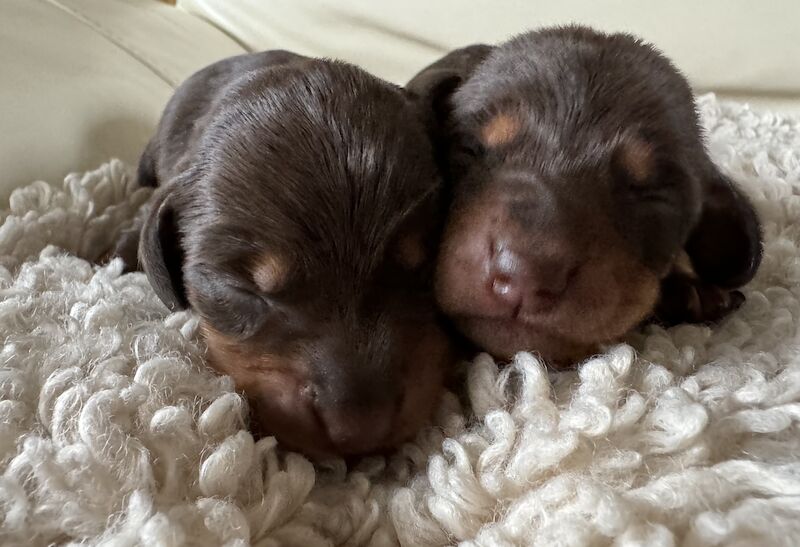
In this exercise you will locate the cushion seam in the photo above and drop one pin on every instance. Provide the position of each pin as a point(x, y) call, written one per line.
point(117, 40)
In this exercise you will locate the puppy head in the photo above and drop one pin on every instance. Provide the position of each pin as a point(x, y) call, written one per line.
point(558, 258)
point(303, 237)
point(572, 200)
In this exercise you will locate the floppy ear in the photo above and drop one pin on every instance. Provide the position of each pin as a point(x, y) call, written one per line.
point(432, 88)
point(434, 84)
point(161, 253)
point(725, 246)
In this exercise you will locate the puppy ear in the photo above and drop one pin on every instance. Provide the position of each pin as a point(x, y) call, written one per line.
point(433, 88)
point(160, 250)
point(725, 246)
point(434, 85)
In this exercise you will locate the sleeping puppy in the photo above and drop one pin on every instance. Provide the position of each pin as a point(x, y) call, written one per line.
point(583, 199)
point(296, 213)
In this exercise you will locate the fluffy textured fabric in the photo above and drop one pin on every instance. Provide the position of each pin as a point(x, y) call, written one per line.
point(113, 432)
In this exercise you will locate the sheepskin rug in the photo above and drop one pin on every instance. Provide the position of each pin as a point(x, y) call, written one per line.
point(113, 432)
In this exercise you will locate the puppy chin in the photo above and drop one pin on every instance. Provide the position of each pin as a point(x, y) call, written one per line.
point(503, 338)
point(281, 407)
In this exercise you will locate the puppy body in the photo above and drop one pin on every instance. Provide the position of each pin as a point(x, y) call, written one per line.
point(578, 176)
point(290, 192)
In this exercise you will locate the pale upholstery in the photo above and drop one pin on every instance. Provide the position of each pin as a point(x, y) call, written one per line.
point(85, 80)
point(740, 47)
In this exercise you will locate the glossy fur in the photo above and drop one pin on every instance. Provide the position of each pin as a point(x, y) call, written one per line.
point(578, 177)
point(297, 214)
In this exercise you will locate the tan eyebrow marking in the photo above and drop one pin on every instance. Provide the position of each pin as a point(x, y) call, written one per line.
point(637, 159)
point(270, 272)
point(501, 129)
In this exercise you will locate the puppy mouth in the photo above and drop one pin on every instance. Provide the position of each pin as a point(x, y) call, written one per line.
point(543, 308)
point(322, 420)
point(344, 434)
point(320, 435)
point(543, 320)
point(545, 313)
point(593, 310)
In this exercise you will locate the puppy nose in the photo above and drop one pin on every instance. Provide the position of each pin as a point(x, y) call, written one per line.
point(505, 271)
point(538, 279)
point(358, 430)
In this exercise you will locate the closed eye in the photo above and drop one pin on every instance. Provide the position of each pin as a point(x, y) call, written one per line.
point(469, 146)
point(231, 309)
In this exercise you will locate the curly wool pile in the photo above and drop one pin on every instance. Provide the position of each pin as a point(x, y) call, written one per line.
point(112, 431)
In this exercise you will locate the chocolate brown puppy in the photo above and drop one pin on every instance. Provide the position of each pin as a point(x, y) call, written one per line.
point(583, 198)
point(296, 213)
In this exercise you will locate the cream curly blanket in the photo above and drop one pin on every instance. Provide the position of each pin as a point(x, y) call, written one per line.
point(112, 431)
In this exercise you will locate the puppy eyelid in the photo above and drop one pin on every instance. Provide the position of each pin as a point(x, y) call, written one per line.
point(470, 146)
point(410, 252)
point(654, 198)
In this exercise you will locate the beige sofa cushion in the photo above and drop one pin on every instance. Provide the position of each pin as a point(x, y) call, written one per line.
point(86, 80)
point(733, 47)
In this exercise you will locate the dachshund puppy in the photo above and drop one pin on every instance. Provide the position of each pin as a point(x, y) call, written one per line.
point(297, 214)
point(583, 199)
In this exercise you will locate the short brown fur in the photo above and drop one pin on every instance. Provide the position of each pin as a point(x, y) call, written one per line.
point(567, 217)
point(283, 186)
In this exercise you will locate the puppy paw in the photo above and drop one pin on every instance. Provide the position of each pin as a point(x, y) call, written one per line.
point(686, 299)
point(126, 247)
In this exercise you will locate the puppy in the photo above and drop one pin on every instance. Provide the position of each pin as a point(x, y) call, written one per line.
point(296, 213)
point(583, 199)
